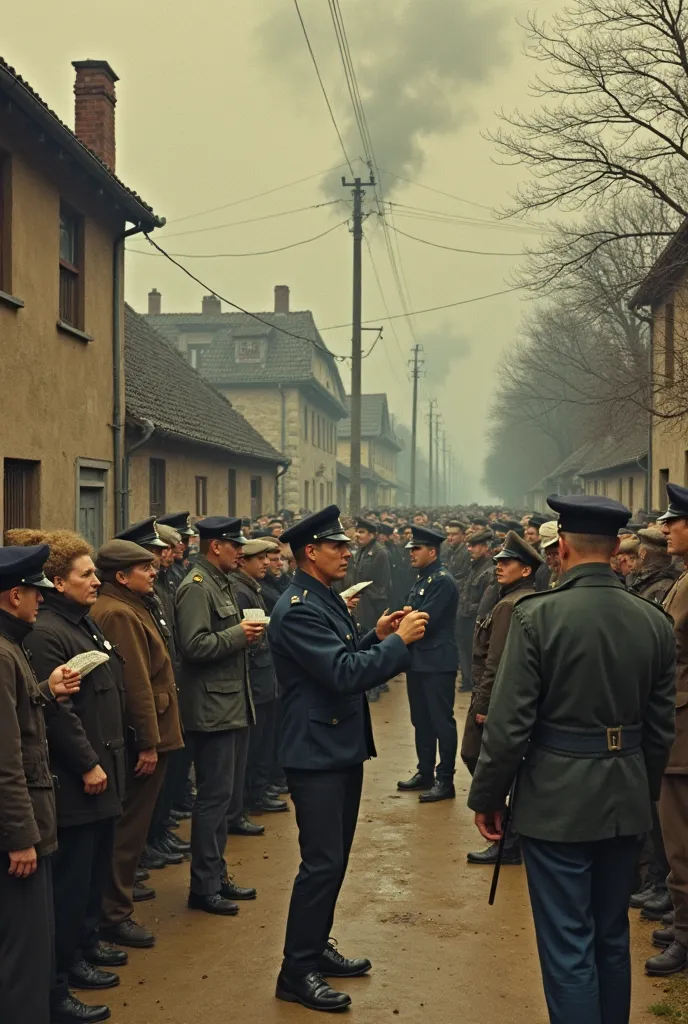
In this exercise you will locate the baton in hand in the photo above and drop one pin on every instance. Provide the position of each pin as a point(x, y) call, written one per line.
point(502, 843)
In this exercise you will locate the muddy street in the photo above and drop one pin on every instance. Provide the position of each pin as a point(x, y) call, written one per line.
point(410, 903)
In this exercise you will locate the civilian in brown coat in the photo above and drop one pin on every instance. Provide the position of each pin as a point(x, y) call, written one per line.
point(152, 718)
point(28, 833)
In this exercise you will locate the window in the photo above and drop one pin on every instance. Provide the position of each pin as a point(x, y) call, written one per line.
point(312, 428)
point(305, 494)
point(619, 489)
point(322, 495)
point(5, 211)
point(319, 425)
point(71, 280)
point(156, 486)
point(305, 422)
point(663, 481)
point(20, 494)
point(194, 354)
point(631, 496)
point(92, 500)
point(669, 341)
point(594, 487)
point(256, 496)
point(329, 493)
point(201, 495)
point(231, 492)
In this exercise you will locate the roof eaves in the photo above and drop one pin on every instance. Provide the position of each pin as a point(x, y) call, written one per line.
point(669, 267)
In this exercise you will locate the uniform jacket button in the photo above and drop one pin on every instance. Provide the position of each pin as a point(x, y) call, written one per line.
point(335, 721)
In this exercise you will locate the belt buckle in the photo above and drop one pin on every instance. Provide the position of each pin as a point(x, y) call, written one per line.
point(614, 738)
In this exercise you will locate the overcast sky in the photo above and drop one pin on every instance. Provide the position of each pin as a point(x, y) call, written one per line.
point(219, 101)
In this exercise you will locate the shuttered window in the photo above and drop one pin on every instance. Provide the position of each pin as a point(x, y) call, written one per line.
point(20, 494)
point(201, 495)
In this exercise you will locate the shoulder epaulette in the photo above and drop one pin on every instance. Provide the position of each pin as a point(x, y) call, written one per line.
point(295, 599)
point(198, 578)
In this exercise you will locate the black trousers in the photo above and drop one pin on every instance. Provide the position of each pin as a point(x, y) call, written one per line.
point(465, 628)
point(220, 760)
point(172, 792)
point(26, 944)
point(326, 805)
point(260, 752)
point(431, 700)
point(81, 868)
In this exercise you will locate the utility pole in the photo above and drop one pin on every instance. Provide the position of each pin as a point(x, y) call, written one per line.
point(415, 364)
point(432, 403)
point(438, 480)
point(358, 192)
point(446, 456)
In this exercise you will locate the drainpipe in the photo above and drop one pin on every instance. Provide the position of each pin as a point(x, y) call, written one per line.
point(278, 477)
point(148, 431)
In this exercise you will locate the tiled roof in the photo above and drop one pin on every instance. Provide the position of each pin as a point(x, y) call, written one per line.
point(286, 360)
point(162, 387)
point(21, 93)
point(611, 453)
point(375, 421)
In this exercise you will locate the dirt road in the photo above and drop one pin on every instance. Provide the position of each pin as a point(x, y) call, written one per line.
point(410, 903)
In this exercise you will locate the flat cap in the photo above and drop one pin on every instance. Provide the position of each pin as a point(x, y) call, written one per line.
point(549, 534)
point(678, 503)
point(387, 529)
point(517, 548)
point(589, 513)
point(179, 521)
point(483, 537)
point(121, 554)
point(504, 525)
point(629, 545)
point(168, 535)
point(426, 536)
point(653, 538)
point(367, 524)
point(323, 525)
point(258, 546)
point(536, 519)
point(23, 567)
point(221, 528)
point(144, 532)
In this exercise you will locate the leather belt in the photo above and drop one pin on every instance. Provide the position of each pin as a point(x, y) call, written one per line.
point(614, 741)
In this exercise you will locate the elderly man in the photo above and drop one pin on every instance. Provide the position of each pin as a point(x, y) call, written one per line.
point(217, 707)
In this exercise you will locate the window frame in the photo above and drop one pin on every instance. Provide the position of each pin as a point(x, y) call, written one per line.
point(157, 475)
point(201, 495)
point(71, 272)
point(31, 483)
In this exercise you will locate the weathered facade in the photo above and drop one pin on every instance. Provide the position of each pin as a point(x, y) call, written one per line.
point(187, 447)
point(379, 450)
point(278, 373)
point(63, 214)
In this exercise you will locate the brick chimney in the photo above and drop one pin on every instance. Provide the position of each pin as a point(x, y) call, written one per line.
point(211, 305)
point(281, 298)
point(154, 302)
point(94, 121)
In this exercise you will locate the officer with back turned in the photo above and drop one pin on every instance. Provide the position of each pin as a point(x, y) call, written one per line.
point(431, 677)
point(583, 711)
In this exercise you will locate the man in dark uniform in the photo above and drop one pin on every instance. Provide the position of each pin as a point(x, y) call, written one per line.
point(216, 707)
point(324, 670)
point(516, 568)
point(397, 568)
point(431, 677)
point(28, 830)
point(583, 711)
point(179, 521)
point(370, 563)
point(478, 579)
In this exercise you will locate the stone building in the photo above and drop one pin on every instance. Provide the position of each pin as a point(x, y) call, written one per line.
point(63, 214)
point(187, 448)
point(379, 450)
point(279, 374)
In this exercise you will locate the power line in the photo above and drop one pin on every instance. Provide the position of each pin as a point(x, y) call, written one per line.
point(250, 220)
point(439, 191)
point(432, 309)
point(322, 86)
point(258, 195)
point(451, 248)
point(263, 252)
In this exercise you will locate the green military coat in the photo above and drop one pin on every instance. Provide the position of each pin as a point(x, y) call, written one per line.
point(214, 691)
point(586, 655)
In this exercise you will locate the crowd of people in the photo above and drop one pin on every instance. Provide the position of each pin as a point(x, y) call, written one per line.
point(173, 709)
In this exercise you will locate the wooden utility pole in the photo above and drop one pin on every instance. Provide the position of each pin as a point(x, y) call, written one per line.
point(358, 192)
point(415, 364)
point(436, 449)
point(432, 403)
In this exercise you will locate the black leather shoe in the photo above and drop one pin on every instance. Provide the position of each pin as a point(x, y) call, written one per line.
point(269, 804)
point(657, 907)
point(128, 933)
point(105, 955)
point(440, 791)
point(163, 849)
point(416, 781)
point(141, 875)
point(72, 1009)
point(640, 898)
point(85, 975)
point(229, 890)
point(215, 904)
point(177, 844)
point(152, 860)
point(142, 892)
point(663, 937)
point(512, 855)
point(671, 961)
point(310, 990)
point(333, 965)
point(244, 827)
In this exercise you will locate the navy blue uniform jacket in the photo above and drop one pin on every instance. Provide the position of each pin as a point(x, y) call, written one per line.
point(324, 669)
point(436, 593)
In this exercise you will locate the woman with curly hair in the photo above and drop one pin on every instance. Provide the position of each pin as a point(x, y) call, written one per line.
point(86, 744)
